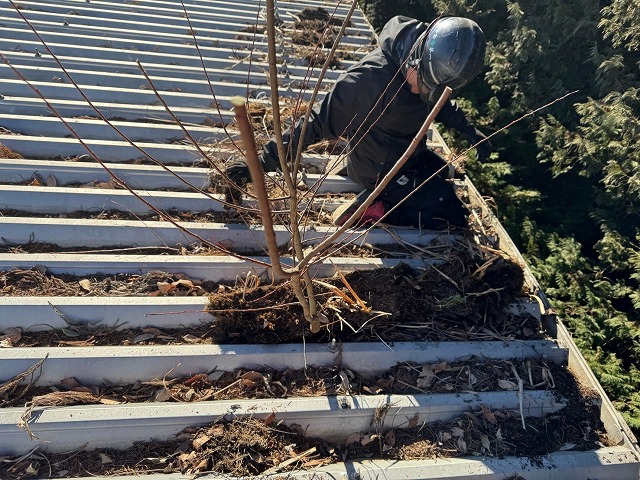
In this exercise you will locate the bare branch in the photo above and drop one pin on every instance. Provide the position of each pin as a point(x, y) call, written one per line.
point(257, 177)
point(102, 116)
point(194, 142)
point(314, 95)
point(120, 182)
point(206, 74)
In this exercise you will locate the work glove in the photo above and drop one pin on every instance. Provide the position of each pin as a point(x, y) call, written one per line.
point(473, 136)
point(238, 173)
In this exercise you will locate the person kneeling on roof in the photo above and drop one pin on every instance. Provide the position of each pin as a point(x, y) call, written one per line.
point(373, 105)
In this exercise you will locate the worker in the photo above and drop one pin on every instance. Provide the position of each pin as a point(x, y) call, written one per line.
point(376, 106)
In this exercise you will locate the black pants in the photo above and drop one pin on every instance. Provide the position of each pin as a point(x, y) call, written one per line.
point(434, 205)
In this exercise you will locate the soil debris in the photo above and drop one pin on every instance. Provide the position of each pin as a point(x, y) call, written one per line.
point(248, 446)
point(474, 375)
point(457, 300)
point(461, 299)
point(37, 281)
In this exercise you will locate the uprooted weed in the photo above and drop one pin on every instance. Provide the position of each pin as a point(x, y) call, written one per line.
point(461, 299)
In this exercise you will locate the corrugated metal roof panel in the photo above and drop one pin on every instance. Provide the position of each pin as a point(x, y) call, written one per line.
point(99, 43)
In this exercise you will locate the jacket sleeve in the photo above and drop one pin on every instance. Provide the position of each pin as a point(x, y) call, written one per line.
point(452, 116)
point(351, 101)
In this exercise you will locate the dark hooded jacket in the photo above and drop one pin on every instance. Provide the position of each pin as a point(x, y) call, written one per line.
point(373, 107)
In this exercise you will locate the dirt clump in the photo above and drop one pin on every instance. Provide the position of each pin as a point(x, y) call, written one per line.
point(316, 27)
point(458, 300)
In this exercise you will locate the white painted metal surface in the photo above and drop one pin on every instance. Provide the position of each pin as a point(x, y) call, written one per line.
point(216, 269)
point(612, 463)
point(93, 365)
point(333, 417)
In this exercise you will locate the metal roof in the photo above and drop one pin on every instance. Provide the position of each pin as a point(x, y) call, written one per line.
point(47, 176)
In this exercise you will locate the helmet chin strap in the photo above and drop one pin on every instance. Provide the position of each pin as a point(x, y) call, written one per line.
point(431, 96)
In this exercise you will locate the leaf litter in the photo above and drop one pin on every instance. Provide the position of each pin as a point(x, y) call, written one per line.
point(253, 446)
point(473, 375)
point(248, 446)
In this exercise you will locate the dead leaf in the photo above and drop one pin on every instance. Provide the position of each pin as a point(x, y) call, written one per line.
point(69, 383)
point(367, 439)
point(353, 438)
point(155, 331)
point(507, 385)
point(85, 284)
point(11, 337)
point(462, 445)
point(253, 376)
point(270, 419)
point(82, 390)
point(426, 378)
point(488, 415)
point(109, 401)
point(165, 288)
point(69, 332)
point(440, 367)
point(457, 432)
point(162, 395)
point(413, 421)
point(200, 440)
point(192, 339)
point(485, 442)
point(567, 446)
point(51, 181)
point(143, 337)
point(390, 438)
point(105, 459)
point(215, 376)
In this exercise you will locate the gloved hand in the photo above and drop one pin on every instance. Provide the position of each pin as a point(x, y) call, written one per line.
point(484, 149)
point(238, 173)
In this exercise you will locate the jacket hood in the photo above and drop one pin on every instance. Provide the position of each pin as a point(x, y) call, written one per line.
point(398, 37)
